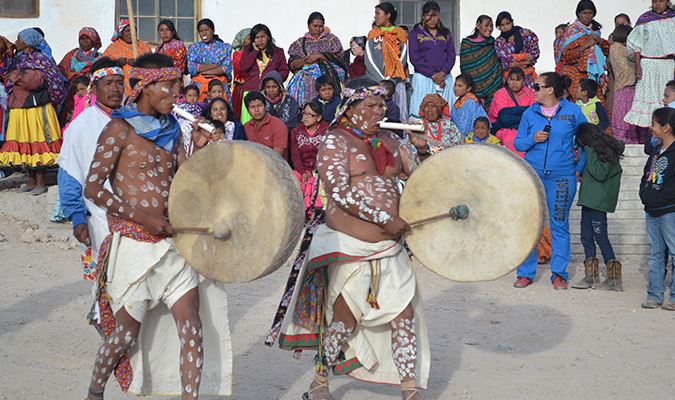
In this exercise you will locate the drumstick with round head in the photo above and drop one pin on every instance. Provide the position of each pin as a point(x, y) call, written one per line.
point(219, 230)
point(207, 127)
point(456, 213)
point(459, 212)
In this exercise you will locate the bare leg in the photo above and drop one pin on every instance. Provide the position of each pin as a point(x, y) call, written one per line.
point(114, 346)
point(31, 181)
point(404, 350)
point(333, 338)
point(40, 178)
point(186, 314)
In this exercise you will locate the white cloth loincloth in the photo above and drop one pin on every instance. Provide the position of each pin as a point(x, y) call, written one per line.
point(370, 343)
point(158, 273)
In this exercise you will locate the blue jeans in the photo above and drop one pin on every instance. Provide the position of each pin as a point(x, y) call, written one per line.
point(661, 234)
point(594, 230)
point(560, 188)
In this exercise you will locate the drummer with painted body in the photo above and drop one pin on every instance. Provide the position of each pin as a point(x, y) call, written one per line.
point(371, 283)
point(139, 151)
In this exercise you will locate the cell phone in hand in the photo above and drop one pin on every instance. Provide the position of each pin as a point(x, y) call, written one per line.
point(547, 128)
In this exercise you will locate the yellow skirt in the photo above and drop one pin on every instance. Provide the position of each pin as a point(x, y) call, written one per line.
point(33, 138)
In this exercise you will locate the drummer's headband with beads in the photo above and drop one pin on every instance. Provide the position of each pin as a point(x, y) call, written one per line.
point(349, 96)
point(98, 75)
point(147, 76)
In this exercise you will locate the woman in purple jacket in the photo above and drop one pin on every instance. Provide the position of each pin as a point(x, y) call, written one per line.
point(432, 53)
point(258, 59)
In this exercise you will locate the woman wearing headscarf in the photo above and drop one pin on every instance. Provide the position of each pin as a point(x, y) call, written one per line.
point(317, 53)
point(172, 45)
point(516, 47)
point(210, 59)
point(439, 129)
point(122, 50)
point(241, 40)
point(432, 53)
point(77, 61)
point(478, 58)
point(583, 51)
point(75, 64)
point(387, 53)
point(36, 89)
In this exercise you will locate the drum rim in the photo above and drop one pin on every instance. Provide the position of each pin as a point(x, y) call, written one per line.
point(293, 227)
point(509, 154)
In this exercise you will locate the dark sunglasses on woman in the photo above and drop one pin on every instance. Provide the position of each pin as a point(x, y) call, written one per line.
point(537, 87)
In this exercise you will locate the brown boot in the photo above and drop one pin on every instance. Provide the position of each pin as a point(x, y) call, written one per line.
point(615, 266)
point(592, 277)
point(613, 278)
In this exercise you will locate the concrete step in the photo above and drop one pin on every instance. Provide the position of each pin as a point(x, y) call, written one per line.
point(639, 253)
point(617, 238)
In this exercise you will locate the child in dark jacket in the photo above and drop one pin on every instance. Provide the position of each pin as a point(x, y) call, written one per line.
point(657, 192)
point(598, 195)
point(330, 102)
point(393, 113)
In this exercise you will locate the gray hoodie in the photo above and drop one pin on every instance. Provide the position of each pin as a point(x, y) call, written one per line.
point(287, 108)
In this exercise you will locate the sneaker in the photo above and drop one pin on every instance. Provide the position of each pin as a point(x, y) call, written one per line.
point(559, 283)
point(650, 304)
point(670, 306)
point(522, 282)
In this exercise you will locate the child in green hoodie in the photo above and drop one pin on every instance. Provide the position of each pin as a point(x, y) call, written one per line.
point(590, 104)
point(598, 195)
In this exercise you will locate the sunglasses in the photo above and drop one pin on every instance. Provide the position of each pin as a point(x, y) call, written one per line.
point(537, 87)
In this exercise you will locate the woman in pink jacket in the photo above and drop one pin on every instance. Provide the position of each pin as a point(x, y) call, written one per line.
point(508, 106)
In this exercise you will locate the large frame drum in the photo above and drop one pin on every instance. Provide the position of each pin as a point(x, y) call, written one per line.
point(506, 204)
point(253, 191)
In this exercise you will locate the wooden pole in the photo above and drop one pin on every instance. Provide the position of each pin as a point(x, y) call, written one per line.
point(132, 26)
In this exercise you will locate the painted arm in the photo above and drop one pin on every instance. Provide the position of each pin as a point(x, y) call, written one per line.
point(111, 142)
point(333, 166)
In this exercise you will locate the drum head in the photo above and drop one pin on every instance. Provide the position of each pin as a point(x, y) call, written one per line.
point(254, 192)
point(506, 204)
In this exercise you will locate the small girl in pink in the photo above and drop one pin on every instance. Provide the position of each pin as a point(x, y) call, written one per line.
point(81, 85)
point(306, 138)
point(511, 100)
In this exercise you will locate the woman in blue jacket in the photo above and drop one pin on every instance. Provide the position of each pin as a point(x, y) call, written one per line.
point(546, 134)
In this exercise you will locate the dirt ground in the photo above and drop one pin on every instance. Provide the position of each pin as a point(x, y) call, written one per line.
point(488, 340)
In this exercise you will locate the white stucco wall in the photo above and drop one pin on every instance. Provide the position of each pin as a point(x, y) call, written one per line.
point(542, 17)
point(62, 19)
